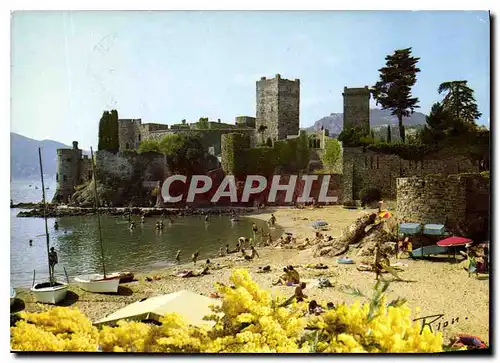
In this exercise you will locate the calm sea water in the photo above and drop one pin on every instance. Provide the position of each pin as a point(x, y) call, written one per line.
point(78, 247)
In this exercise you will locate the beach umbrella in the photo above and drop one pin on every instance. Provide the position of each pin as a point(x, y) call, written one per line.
point(454, 241)
point(191, 306)
point(385, 214)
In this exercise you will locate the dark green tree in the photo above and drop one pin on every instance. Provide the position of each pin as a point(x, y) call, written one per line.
point(114, 145)
point(184, 153)
point(389, 137)
point(104, 131)
point(459, 101)
point(372, 134)
point(393, 90)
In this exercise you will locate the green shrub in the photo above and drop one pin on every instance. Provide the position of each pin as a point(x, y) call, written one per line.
point(370, 195)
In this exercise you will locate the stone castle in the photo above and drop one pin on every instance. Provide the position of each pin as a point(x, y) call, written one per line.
point(277, 119)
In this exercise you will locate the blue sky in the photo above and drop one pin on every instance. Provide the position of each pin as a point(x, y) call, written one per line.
point(67, 67)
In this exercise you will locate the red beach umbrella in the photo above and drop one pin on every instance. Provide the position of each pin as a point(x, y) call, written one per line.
point(454, 241)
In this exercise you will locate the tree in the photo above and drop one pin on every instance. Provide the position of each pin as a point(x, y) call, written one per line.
point(393, 91)
point(104, 131)
point(459, 101)
point(151, 145)
point(389, 137)
point(203, 123)
point(184, 153)
point(331, 153)
point(114, 144)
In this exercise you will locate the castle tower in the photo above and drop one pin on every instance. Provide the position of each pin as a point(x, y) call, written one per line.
point(129, 134)
point(278, 102)
point(357, 108)
point(68, 172)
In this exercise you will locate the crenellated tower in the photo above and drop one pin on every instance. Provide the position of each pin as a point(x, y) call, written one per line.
point(357, 108)
point(278, 105)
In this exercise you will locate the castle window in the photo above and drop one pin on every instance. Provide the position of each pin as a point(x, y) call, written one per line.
point(57, 177)
point(65, 178)
point(139, 138)
point(366, 162)
point(90, 174)
point(68, 160)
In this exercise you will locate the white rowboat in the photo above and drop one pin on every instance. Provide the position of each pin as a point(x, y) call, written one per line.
point(97, 283)
point(44, 293)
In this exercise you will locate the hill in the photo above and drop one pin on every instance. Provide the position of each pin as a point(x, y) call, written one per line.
point(24, 157)
point(378, 117)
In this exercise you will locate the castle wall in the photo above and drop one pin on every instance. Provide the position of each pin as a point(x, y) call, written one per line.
point(147, 129)
point(371, 169)
point(245, 121)
point(278, 104)
point(68, 173)
point(129, 134)
point(357, 108)
point(460, 202)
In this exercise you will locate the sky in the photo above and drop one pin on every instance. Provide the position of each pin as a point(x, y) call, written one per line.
point(165, 66)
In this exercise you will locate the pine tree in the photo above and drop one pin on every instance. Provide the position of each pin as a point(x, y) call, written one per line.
point(393, 91)
point(459, 101)
point(389, 134)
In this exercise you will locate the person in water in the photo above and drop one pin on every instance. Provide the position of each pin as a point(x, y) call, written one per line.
point(132, 226)
point(221, 252)
point(272, 220)
point(53, 260)
point(142, 220)
point(254, 230)
point(31, 242)
point(206, 218)
point(178, 256)
point(56, 225)
point(228, 251)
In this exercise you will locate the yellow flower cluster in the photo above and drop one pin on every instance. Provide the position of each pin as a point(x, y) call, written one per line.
point(248, 320)
point(57, 329)
point(391, 330)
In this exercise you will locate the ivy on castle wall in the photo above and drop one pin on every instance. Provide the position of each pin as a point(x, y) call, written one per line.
point(239, 159)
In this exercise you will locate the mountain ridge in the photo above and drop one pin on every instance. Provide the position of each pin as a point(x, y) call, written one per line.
point(334, 123)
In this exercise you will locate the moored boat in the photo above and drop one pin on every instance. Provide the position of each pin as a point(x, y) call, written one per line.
point(48, 293)
point(99, 283)
point(12, 295)
point(52, 291)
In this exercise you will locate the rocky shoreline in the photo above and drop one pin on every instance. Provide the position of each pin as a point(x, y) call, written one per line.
point(64, 211)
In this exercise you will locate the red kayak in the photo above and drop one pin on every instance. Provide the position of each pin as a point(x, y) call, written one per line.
point(454, 241)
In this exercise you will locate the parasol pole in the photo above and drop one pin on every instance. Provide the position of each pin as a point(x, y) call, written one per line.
point(97, 208)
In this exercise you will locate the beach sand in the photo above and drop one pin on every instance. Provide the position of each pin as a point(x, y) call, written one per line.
point(437, 287)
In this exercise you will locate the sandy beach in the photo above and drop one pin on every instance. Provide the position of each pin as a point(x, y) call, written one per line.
point(437, 287)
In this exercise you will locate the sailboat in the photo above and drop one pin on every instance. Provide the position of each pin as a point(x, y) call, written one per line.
point(100, 283)
point(50, 292)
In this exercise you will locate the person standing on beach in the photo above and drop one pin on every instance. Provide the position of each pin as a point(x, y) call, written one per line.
point(195, 256)
point(228, 251)
point(272, 221)
point(178, 256)
point(377, 266)
point(254, 253)
point(53, 260)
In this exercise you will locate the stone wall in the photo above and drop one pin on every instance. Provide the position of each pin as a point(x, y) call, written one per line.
point(245, 121)
point(357, 108)
point(129, 134)
point(277, 104)
point(129, 177)
point(460, 202)
point(371, 169)
point(146, 129)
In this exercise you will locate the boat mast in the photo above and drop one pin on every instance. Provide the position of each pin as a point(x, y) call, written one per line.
point(97, 207)
point(51, 276)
